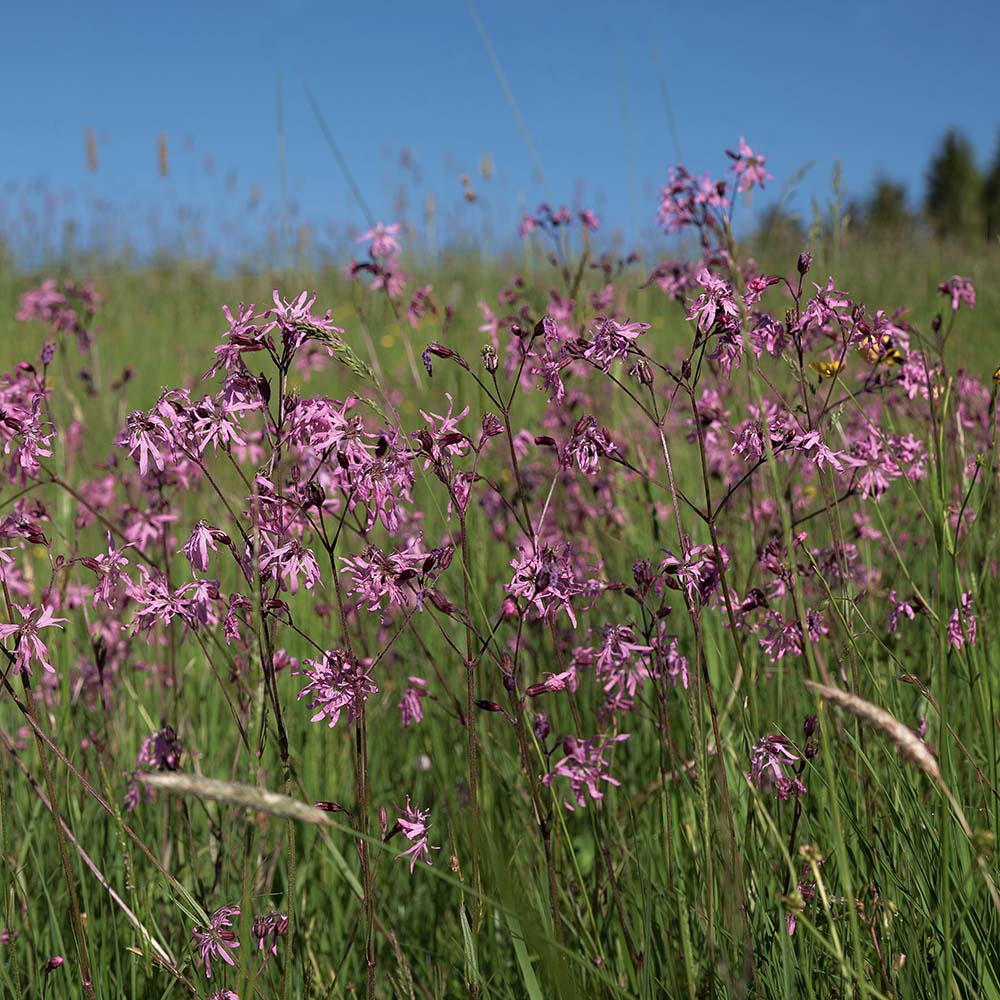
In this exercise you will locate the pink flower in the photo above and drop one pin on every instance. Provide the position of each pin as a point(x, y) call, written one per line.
point(546, 579)
point(28, 645)
point(411, 705)
point(110, 569)
point(380, 576)
point(749, 168)
point(612, 340)
point(337, 683)
point(716, 302)
point(587, 446)
point(445, 436)
point(899, 609)
point(622, 663)
point(150, 437)
point(780, 638)
point(771, 757)
point(960, 290)
point(757, 286)
point(415, 826)
point(296, 321)
point(202, 539)
point(288, 563)
point(217, 941)
point(584, 766)
point(383, 240)
point(420, 304)
point(962, 623)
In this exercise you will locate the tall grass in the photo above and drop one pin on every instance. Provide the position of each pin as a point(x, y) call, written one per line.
point(811, 824)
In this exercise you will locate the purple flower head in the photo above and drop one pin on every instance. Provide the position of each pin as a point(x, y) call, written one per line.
point(338, 683)
point(960, 290)
point(110, 569)
point(217, 941)
point(584, 765)
point(612, 340)
point(420, 304)
point(715, 304)
point(296, 321)
point(780, 638)
point(28, 644)
point(899, 609)
point(587, 446)
point(160, 751)
point(383, 240)
point(389, 577)
point(411, 705)
point(546, 578)
point(621, 662)
point(289, 562)
point(698, 573)
point(415, 825)
point(962, 623)
point(202, 539)
point(749, 168)
point(266, 929)
point(687, 200)
point(772, 757)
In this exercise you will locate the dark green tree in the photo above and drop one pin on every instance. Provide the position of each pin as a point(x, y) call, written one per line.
point(886, 210)
point(954, 190)
point(780, 227)
point(991, 197)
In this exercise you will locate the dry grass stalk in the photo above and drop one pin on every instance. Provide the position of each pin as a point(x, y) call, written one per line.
point(235, 794)
point(909, 745)
point(913, 749)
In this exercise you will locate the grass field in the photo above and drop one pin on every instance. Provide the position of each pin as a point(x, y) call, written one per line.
point(606, 688)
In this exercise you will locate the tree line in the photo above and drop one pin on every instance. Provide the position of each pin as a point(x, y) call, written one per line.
point(959, 202)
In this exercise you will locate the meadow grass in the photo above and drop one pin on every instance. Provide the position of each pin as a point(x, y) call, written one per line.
point(687, 878)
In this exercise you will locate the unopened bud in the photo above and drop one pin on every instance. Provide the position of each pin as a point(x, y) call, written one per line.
point(490, 360)
point(541, 727)
point(491, 425)
point(805, 262)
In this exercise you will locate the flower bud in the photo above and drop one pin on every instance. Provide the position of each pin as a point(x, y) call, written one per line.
point(541, 727)
point(804, 263)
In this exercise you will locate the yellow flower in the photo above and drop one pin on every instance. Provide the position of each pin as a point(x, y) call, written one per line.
point(827, 369)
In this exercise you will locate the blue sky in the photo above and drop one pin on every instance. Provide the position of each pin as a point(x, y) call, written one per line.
point(610, 96)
